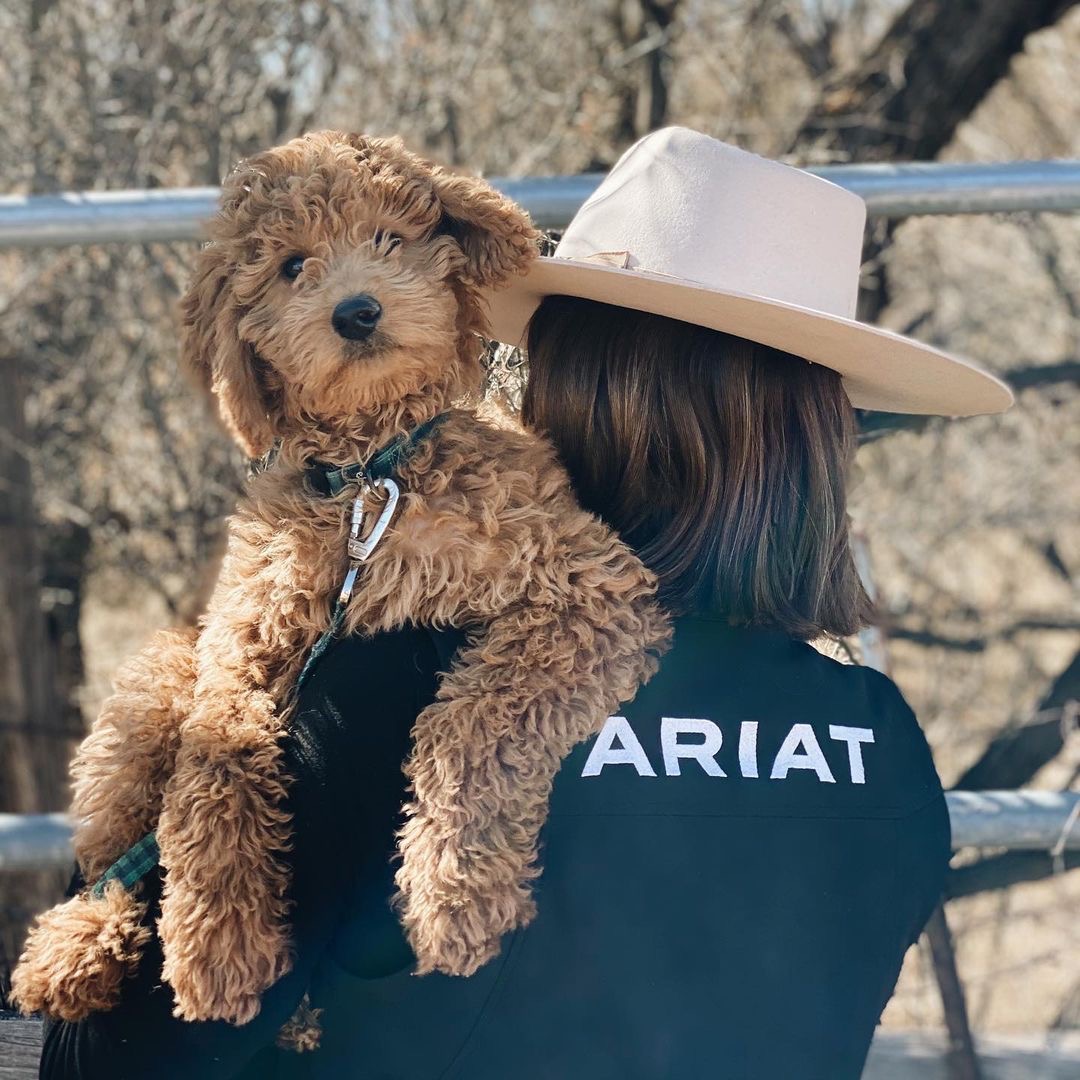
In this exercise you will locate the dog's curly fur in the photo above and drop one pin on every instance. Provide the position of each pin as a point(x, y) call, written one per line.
point(78, 954)
point(562, 617)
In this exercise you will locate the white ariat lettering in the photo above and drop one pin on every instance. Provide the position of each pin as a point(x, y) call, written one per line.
point(699, 740)
point(629, 752)
point(801, 738)
point(854, 737)
point(704, 752)
point(748, 748)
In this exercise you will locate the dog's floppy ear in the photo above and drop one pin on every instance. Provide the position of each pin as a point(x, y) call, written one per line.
point(223, 364)
point(495, 234)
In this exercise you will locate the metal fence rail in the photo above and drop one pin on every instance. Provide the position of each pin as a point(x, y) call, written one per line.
point(1015, 820)
point(35, 842)
point(100, 217)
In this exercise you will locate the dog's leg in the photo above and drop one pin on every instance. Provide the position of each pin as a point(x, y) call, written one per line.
point(78, 953)
point(224, 825)
point(536, 682)
point(119, 772)
point(222, 833)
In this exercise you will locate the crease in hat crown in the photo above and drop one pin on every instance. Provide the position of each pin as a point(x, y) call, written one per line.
point(726, 219)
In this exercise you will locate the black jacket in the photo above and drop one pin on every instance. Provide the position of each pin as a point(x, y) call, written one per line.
point(733, 871)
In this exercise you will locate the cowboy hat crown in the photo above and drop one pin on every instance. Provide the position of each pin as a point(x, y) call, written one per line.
point(694, 229)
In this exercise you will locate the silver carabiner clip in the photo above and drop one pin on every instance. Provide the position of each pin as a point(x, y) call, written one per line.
point(348, 584)
point(360, 549)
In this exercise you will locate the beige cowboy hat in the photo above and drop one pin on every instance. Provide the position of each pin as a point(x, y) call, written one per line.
point(689, 227)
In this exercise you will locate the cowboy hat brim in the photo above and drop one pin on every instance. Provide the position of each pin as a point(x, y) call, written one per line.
point(881, 370)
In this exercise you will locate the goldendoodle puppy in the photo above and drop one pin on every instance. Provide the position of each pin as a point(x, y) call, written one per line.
point(337, 308)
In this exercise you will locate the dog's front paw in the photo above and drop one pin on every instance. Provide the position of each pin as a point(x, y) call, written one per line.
point(79, 953)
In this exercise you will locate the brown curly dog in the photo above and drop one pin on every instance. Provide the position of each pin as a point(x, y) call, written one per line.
point(337, 306)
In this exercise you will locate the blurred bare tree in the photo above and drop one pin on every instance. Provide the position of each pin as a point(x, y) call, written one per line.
point(114, 481)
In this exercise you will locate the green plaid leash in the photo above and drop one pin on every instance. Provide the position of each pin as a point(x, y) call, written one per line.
point(132, 866)
point(141, 858)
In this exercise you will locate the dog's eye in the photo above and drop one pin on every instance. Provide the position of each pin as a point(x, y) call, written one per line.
point(292, 266)
point(388, 241)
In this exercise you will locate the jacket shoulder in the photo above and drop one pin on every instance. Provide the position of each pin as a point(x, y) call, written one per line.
point(903, 741)
point(862, 684)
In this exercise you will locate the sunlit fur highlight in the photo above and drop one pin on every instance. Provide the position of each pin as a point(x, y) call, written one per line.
point(562, 619)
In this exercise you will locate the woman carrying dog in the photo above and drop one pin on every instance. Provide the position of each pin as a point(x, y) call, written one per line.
point(734, 867)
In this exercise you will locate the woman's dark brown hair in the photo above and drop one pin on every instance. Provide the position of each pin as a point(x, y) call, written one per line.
point(722, 462)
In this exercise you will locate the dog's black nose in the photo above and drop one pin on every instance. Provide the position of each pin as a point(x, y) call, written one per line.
point(356, 317)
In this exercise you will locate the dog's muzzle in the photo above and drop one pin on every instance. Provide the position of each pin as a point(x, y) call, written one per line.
point(356, 317)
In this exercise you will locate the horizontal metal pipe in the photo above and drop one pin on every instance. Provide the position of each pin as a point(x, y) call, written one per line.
point(1016, 820)
point(35, 842)
point(960, 188)
point(104, 217)
point(551, 200)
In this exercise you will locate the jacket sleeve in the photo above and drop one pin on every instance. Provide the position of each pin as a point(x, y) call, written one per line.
point(334, 780)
